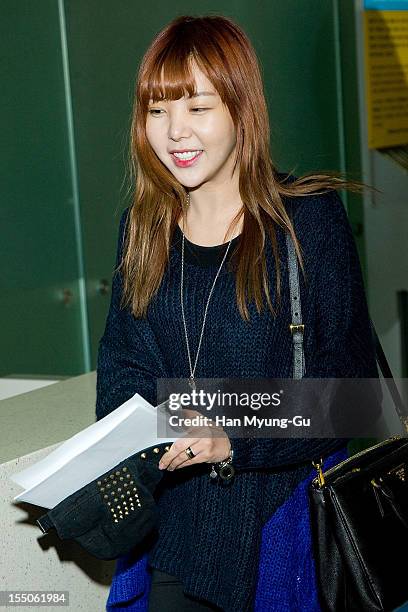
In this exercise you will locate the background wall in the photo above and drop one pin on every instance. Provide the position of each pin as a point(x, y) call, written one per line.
point(386, 223)
point(41, 235)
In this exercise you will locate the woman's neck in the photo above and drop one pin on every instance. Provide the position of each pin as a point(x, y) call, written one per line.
point(209, 231)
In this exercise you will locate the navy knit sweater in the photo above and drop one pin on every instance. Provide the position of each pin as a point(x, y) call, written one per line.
point(209, 535)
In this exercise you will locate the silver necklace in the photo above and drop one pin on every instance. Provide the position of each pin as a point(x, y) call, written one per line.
point(192, 370)
point(226, 470)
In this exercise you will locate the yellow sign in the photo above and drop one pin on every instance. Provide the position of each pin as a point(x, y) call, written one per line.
point(386, 66)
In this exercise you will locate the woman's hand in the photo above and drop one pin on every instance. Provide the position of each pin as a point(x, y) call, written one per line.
point(212, 446)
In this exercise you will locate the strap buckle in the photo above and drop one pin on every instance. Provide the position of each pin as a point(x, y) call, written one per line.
point(294, 328)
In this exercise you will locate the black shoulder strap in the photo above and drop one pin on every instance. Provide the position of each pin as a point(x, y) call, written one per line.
point(386, 372)
point(297, 329)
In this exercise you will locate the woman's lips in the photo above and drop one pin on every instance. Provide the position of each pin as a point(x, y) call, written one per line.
point(183, 163)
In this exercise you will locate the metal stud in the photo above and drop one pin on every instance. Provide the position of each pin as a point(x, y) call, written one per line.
point(99, 482)
point(121, 478)
point(105, 497)
point(117, 473)
point(124, 469)
point(167, 448)
point(112, 476)
point(156, 450)
point(143, 455)
point(116, 520)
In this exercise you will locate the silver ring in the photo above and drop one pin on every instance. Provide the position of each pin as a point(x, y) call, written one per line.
point(189, 452)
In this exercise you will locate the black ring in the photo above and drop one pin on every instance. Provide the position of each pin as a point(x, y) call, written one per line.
point(189, 452)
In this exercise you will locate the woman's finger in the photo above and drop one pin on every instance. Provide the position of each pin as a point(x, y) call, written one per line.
point(185, 461)
point(175, 450)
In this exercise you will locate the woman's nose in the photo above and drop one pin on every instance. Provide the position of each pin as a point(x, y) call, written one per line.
point(179, 126)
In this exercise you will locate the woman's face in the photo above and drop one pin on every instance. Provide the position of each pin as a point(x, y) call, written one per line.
point(200, 124)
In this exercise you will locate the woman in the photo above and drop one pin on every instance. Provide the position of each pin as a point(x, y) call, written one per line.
point(210, 225)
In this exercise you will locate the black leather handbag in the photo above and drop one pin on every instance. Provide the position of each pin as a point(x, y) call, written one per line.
point(359, 520)
point(359, 509)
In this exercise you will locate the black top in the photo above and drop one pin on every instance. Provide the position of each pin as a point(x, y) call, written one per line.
point(198, 521)
point(202, 255)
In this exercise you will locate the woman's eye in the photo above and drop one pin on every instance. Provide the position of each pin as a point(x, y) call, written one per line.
point(153, 111)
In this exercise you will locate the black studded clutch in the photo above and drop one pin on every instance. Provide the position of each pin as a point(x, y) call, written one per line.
point(114, 513)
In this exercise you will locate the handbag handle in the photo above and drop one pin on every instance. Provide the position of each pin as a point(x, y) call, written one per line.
point(297, 330)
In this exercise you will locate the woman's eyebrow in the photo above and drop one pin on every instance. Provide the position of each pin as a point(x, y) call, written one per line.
point(203, 93)
point(195, 95)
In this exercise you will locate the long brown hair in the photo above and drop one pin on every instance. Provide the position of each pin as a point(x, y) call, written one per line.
point(225, 55)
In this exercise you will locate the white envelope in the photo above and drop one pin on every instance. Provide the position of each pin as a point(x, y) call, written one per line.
point(92, 452)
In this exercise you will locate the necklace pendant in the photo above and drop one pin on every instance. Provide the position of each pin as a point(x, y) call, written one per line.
point(191, 382)
point(213, 473)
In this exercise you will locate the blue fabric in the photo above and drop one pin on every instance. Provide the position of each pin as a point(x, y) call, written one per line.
point(131, 584)
point(287, 578)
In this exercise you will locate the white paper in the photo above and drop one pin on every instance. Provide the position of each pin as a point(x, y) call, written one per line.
point(91, 452)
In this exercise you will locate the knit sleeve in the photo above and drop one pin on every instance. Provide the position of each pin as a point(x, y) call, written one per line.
point(345, 347)
point(344, 344)
point(129, 359)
